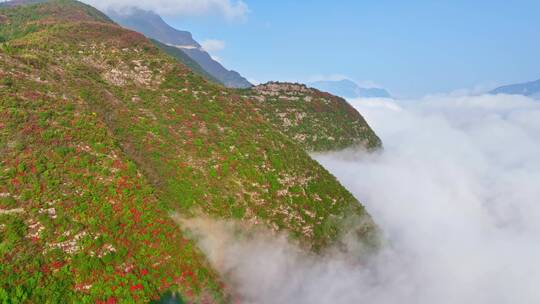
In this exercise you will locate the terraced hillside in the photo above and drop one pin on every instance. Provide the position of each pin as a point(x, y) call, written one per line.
point(102, 136)
point(315, 120)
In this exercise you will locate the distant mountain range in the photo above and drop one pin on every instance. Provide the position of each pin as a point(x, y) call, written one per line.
point(530, 89)
point(349, 89)
point(153, 26)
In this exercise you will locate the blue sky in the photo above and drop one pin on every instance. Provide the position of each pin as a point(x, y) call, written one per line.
point(412, 48)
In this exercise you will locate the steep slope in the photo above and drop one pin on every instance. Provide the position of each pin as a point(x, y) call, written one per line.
point(229, 78)
point(102, 136)
point(78, 221)
point(153, 26)
point(349, 89)
point(182, 57)
point(531, 89)
point(315, 120)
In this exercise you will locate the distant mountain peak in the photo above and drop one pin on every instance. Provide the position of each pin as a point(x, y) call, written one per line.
point(153, 26)
point(530, 89)
point(349, 89)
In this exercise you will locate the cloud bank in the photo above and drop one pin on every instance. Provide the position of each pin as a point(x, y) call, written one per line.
point(230, 9)
point(456, 192)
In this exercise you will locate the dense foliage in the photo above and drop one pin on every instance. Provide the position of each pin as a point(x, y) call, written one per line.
point(315, 120)
point(102, 136)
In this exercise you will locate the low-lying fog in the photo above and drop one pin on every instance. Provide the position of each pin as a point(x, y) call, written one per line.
point(456, 192)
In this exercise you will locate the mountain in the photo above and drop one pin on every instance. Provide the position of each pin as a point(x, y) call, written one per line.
point(349, 89)
point(182, 57)
point(531, 89)
point(103, 136)
point(315, 120)
point(153, 26)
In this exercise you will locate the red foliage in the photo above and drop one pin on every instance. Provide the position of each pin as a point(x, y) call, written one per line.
point(120, 272)
point(165, 284)
point(31, 128)
point(144, 272)
point(111, 300)
point(136, 287)
point(118, 164)
point(136, 215)
point(15, 182)
point(32, 95)
point(45, 269)
point(57, 264)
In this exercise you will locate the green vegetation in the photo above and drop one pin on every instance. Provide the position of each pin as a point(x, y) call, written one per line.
point(315, 120)
point(102, 136)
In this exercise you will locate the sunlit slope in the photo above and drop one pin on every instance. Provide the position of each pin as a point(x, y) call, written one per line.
point(79, 222)
point(315, 120)
point(102, 136)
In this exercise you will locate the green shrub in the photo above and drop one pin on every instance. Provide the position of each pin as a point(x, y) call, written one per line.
point(8, 81)
point(8, 202)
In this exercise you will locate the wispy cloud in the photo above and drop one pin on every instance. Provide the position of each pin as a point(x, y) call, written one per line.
point(229, 9)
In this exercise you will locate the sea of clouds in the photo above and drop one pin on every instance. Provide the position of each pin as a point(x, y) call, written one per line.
point(456, 193)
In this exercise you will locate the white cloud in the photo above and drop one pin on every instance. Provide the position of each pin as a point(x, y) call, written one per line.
point(213, 45)
point(456, 192)
point(230, 9)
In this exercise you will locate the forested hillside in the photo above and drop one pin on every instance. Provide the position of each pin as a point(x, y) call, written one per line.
point(103, 136)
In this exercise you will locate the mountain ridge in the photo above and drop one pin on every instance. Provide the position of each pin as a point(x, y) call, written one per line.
point(103, 136)
point(153, 26)
point(530, 89)
point(315, 120)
